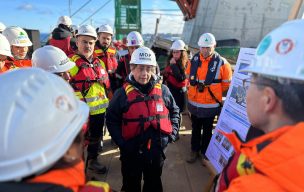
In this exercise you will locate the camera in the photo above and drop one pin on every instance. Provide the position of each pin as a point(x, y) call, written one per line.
point(201, 87)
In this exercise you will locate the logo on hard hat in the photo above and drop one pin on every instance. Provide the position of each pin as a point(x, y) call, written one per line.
point(62, 103)
point(264, 45)
point(145, 56)
point(65, 61)
point(284, 46)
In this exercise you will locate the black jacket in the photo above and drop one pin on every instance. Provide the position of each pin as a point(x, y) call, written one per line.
point(32, 187)
point(118, 105)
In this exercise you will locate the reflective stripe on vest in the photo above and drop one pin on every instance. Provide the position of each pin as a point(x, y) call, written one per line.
point(145, 111)
point(204, 105)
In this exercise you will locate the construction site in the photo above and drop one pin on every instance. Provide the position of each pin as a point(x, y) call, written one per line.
point(238, 27)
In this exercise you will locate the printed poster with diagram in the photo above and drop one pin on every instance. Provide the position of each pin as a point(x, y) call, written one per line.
point(233, 115)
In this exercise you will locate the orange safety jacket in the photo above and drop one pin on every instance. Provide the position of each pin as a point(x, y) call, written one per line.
point(222, 79)
point(22, 63)
point(272, 162)
point(9, 65)
point(145, 111)
point(72, 178)
point(108, 57)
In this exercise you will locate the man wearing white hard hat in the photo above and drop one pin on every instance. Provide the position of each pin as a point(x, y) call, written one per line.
point(54, 60)
point(142, 119)
point(107, 53)
point(90, 81)
point(134, 41)
point(41, 113)
point(20, 43)
point(209, 76)
point(275, 102)
point(6, 63)
point(62, 36)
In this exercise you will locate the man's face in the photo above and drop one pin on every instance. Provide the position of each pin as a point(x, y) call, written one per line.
point(142, 73)
point(105, 39)
point(207, 51)
point(85, 45)
point(19, 52)
point(254, 101)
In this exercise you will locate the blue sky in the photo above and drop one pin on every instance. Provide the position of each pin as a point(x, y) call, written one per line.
point(43, 14)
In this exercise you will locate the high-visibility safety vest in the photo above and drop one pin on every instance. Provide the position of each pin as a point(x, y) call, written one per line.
point(213, 72)
point(108, 57)
point(63, 44)
point(144, 111)
point(89, 81)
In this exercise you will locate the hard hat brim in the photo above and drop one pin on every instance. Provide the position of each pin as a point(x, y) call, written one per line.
point(23, 44)
point(66, 67)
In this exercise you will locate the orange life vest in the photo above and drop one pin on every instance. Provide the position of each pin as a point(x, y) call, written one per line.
point(145, 111)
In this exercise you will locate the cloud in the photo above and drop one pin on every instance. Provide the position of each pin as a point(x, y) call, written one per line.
point(26, 7)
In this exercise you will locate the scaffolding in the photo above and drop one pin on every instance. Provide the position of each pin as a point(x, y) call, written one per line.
point(127, 17)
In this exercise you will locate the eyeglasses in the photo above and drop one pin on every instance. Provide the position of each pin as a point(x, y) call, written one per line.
point(246, 83)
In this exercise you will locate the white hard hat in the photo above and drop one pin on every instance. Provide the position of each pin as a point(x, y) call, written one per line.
point(87, 30)
point(281, 52)
point(143, 56)
point(51, 59)
point(17, 36)
point(5, 48)
point(2, 27)
point(40, 118)
point(74, 27)
point(134, 39)
point(105, 29)
point(65, 20)
point(178, 45)
point(206, 40)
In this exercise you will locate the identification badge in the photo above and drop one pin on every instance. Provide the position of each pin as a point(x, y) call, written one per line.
point(103, 71)
point(159, 107)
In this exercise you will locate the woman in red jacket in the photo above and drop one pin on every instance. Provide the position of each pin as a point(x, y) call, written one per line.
point(174, 74)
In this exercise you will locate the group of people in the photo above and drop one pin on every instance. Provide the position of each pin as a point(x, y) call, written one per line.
point(141, 111)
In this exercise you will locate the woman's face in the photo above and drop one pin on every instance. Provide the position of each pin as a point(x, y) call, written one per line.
point(176, 54)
